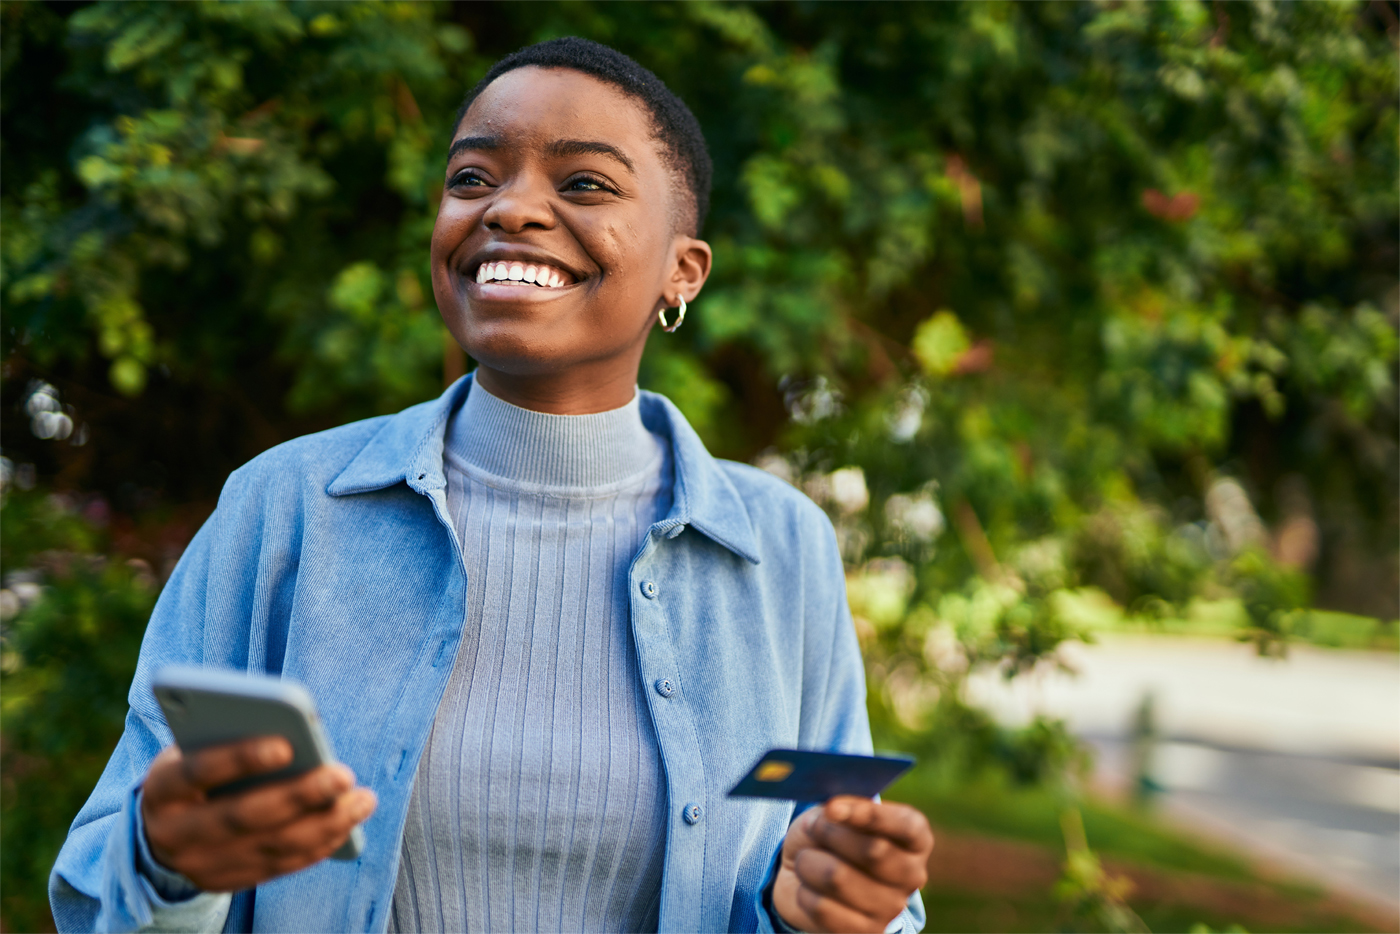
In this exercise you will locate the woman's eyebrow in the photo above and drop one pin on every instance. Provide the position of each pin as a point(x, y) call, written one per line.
point(578, 147)
point(486, 143)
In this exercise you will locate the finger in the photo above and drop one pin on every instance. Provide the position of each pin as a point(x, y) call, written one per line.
point(315, 836)
point(799, 836)
point(165, 779)
point(219, 765)
point(899, 823)
point(275, 804)
point(256, 858)
point(831, 915)
point(878, 857)
point(826, 874)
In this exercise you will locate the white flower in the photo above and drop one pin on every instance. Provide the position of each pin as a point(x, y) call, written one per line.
point(917, 515)
point(908, 415)
point(848, 489)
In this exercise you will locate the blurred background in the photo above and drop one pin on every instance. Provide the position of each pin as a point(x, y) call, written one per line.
point(1080, 319)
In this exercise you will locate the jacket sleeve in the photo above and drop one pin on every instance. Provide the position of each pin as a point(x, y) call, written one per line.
point(95, 884)
point(834, 717)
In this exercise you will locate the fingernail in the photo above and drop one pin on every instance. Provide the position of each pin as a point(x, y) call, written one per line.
point(838, 810)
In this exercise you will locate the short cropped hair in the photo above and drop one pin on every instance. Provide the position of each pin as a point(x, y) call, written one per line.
point(676, 129)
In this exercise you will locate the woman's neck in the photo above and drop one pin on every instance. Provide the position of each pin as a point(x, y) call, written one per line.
point(581, 390)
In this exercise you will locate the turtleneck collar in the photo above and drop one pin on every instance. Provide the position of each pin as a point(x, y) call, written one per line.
point(525, 446)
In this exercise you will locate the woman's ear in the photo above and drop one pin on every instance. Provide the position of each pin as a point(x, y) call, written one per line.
point(692, 268)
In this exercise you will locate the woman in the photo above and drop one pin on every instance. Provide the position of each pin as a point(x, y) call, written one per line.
point(544, 627)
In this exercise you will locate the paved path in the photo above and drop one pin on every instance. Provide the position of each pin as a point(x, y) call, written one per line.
point(1297, 760)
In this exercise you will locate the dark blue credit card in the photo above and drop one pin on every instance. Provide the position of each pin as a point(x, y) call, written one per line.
point(800, 775)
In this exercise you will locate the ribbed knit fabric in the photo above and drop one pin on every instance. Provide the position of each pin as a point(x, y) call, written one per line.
point(539, 803)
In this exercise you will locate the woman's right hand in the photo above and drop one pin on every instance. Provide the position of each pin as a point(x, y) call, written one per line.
point(234, 842)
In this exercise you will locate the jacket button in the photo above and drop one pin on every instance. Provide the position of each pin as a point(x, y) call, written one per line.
point(649, 590)
point(665, 687)
point(692, 813)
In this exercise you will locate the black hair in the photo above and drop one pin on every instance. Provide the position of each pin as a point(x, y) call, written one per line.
point(676, 129)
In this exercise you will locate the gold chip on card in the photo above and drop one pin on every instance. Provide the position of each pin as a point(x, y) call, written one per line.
point(773, 771)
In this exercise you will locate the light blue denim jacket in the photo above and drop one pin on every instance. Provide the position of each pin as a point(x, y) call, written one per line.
point(330, 559)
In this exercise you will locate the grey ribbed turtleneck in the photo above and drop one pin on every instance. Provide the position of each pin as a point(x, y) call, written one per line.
point(539, 803)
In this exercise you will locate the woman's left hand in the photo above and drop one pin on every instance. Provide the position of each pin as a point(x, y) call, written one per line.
point(851, 865)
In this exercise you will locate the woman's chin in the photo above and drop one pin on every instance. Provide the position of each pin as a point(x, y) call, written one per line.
point(519, 347)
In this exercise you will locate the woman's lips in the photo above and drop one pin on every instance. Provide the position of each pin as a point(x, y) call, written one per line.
point(513, 272)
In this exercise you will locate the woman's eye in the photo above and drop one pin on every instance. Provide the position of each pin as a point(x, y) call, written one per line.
point(467, 178)
point(585, 183)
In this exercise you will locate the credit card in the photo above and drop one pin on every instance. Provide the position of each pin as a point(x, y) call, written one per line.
point(802, 775)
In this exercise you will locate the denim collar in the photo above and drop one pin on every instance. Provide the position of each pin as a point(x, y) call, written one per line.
point(408, 449)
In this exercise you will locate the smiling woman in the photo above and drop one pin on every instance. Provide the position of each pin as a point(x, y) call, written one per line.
point(545, 628)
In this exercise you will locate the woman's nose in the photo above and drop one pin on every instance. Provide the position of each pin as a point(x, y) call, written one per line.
point(520, 205)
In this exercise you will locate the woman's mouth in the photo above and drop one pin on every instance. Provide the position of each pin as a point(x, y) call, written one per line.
point(539, 275)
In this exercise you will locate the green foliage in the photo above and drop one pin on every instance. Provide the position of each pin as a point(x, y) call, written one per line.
point(1272, 598)
point(1069, 254)
point(68, 654)
point(224, 176)
point(1047, 304)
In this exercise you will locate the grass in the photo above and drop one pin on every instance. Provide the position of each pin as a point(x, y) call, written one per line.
point(1000, 854)
point(1033, 816)
point(1227, 619)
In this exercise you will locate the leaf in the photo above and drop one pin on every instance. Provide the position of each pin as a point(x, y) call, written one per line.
point(940, 342)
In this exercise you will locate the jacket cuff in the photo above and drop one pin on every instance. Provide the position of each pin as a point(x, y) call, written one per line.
point(130, 900)
point(769, 922)
point(169, 886)
point(905, 922)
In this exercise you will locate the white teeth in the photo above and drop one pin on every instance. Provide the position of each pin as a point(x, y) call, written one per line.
point(539, 275)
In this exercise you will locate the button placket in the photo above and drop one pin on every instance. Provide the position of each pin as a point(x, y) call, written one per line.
point(675, 729)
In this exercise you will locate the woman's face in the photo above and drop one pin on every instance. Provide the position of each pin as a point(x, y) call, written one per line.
point(553, 176)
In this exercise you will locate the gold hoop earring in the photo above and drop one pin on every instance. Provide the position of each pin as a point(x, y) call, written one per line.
point(670, 329)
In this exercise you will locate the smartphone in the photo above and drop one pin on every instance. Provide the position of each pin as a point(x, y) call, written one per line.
point(207, 707)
